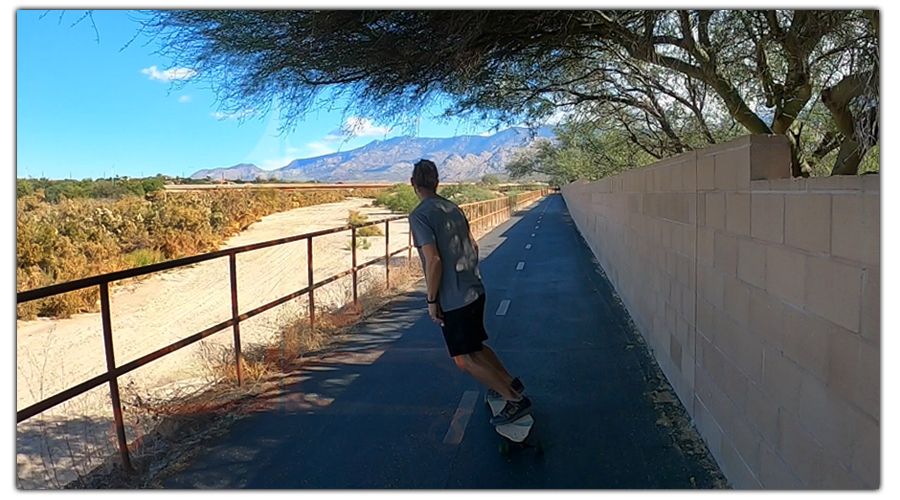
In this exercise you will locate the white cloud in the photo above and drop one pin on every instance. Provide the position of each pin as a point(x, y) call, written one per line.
point(184, 98)
point(234, 116)
point(169, 74)
point(356, 126)
point(292, 150)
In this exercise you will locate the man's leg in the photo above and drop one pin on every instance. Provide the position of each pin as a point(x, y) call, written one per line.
point(485, 373)
point(489, 356)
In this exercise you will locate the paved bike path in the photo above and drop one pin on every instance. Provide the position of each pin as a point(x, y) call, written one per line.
point(391, 410)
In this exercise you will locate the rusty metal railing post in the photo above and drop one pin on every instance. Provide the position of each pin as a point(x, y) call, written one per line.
point(113, 381)
point(353, 250)
point(310, 282)
point(387, 254)
point(483, 218)
point(493, 214)
point(232, 270)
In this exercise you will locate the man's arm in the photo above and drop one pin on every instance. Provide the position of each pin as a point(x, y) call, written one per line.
point(432, 270)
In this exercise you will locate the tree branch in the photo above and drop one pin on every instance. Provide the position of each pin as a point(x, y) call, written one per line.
point(837, 98)
point(703, 27)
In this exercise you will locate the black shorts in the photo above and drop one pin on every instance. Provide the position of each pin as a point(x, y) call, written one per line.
point(464, 328)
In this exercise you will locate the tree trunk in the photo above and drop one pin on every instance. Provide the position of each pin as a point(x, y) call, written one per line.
point(796, 167)
point(849, 157)
point(837, 100)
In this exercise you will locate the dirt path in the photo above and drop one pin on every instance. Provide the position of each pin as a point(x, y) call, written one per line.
point(52, 355)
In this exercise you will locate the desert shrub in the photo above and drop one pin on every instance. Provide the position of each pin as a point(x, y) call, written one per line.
point(398, 198)
point(356, 219)
point(361, 243)
point(370, 231)
point(402, 198)
point(56, 190)
point(144, 257)
point(490, 179)
point(367, 192)
point(152, 185)
point(24, 187)
point(466, 193)
point(110, 189)
point(67, 190)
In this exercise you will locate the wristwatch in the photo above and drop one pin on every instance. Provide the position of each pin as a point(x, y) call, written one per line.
point(431, 301)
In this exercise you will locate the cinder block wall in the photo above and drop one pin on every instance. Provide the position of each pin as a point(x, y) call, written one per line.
point(759, 296)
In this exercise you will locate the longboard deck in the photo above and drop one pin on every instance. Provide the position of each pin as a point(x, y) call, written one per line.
point(516, 431)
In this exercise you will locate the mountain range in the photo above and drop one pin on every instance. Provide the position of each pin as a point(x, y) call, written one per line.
point(460, 158)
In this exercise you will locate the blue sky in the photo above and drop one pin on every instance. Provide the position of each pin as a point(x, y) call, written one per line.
point(85, 109)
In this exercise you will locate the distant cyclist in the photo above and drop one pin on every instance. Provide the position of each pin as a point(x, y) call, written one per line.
point(456, 299)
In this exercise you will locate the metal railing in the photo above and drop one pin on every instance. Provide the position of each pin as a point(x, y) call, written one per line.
point(485, 215)
point(482, 216)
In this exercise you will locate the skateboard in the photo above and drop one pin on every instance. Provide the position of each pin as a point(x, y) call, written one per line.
point(517, 432)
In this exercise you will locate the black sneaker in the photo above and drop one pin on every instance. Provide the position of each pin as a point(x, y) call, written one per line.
point(514, 410)
point(516, 385)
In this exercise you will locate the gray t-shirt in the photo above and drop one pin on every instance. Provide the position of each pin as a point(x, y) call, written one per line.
point(439, 221)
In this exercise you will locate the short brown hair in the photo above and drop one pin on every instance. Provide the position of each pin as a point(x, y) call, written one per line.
point(425, 174)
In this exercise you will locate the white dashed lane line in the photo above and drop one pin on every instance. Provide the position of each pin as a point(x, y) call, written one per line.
point(461, 418)
point(520, 266)
point(528, 246)
point(504, 306)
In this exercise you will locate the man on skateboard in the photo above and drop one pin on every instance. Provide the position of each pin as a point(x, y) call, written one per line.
point(449, 256)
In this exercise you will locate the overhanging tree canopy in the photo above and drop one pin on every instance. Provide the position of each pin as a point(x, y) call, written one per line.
point(671, 80)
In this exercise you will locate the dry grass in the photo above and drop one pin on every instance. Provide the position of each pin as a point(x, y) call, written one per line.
point(356, 219)
point(361, 243)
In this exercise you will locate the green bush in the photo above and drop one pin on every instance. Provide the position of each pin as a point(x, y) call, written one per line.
point(111, 190)
point(152, 185)
point(69, 190)
point(398, 198)
point(24, 187)
point(490, 180)
point(466, 193)
point(144, 257)
point(402, 198)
